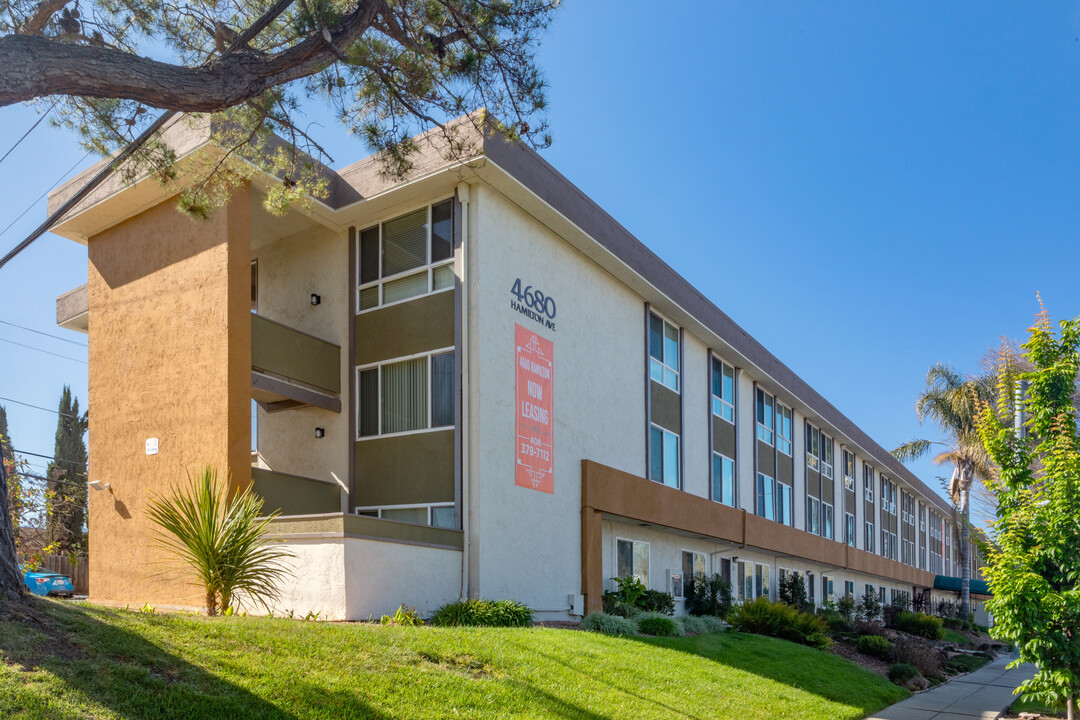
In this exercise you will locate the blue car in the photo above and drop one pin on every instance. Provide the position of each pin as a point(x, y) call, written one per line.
point(48, 583)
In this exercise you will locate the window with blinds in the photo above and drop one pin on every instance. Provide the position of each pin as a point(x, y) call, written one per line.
point(406, 395)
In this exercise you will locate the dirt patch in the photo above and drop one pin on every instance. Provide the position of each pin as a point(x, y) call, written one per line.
point(848, 652)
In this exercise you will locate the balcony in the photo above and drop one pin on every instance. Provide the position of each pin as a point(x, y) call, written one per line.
point(290, 368)
point(73, 310)
point(296, 495)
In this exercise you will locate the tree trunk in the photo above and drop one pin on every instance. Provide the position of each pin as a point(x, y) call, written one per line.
point(1070, 706)
point(965, 556)
point(11, 579)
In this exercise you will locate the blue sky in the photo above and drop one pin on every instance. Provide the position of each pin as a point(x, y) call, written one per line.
point(867, 188)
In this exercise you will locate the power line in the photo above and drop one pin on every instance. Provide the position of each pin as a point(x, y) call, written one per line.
point(39, 332)
point(47, 352)
point(17, 142)
point(35, 202)
point(240, 41)
point(37, 407)
point(49, 457)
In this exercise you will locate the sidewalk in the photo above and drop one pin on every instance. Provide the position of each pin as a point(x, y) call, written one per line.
point(984, 694)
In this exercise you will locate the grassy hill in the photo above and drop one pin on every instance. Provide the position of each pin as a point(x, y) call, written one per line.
point(82, 661)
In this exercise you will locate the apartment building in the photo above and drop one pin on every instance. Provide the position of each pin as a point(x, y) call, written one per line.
point(473, 382)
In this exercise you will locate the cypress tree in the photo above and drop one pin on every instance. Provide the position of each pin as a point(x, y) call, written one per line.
point(67, 478)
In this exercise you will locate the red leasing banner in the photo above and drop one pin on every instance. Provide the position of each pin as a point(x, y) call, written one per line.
point(535, 371)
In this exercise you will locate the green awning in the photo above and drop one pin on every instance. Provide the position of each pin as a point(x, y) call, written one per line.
point(952, 584)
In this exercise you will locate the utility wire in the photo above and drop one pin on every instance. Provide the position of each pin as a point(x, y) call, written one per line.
point(2, 159)
point(47, 352)
point(39, 197)
point(48, 335)
point(241, 40)
point(37, 407)
point(49, 457)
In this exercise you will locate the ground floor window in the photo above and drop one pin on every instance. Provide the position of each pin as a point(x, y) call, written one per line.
point(632, 559)
point(444, 516)
point(693, 565)
point(826, 588)
point(849, 589)
point(868, 590)
point(762, 585)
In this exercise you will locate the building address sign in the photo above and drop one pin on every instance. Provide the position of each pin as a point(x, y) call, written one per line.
point(534, 304)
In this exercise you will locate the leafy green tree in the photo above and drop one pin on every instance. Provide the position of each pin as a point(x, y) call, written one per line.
point(1034, 567)
point(11, 582)
point(952, 401)
point(222, 539)
point(66, 511)
point(386, 68)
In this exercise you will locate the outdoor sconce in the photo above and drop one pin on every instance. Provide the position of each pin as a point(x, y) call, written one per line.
point(315, 299)
point(735, 559)
point(319, 432)
point(97, 485)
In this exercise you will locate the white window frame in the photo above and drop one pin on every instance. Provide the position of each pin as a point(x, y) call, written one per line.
point(678, 456)
point(849, 480)
point(379, 365)
point(780, 487)
point(682, 572)
point(870, 534)
point(429, 267)
point(734, 484)
point(849, 528)
point(663, 363)
point(766, 431)
point(761, 570)
point(828, 448)
point(782, 412)
point(363, 510)
point(813, 515)
point(769, 507)
point(725, 406)
point(827, 528)
point(868, 487)
point(632, 542)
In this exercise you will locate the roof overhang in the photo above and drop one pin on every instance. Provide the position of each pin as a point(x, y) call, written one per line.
point(953, 584)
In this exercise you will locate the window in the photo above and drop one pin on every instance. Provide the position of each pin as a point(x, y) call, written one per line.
point(869, 537)
point(633, 559)
point(868, 590)
point(826, 456)
point(761, 581)
point(764, 411)
point(723, 390)
point(849, 471)
point(401, 396)
point(784, 511)
point(810, 585)
point(745, 575)
point(766, 500)
point(813, 446)
point(443, 516)
point(723, 479)
point(868, 482)
point(664, 352)
point(849, 529)
point(663, 456)
point(409, 256)
point(693, 566)
point(783, 428)
point(849, 589)
point(826, 520)
point(826, 588)
point(813, 512)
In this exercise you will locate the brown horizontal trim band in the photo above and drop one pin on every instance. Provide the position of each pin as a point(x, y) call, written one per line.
point(622, 494)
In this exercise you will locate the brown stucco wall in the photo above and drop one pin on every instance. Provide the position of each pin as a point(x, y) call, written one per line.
point(170, 358)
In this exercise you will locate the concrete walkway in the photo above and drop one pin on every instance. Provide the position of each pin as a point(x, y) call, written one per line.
point(984, 694)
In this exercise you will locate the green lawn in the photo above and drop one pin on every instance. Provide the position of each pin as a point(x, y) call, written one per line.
point(91, 662)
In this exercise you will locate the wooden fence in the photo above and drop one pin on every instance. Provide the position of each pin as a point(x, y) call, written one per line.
point(78, 572)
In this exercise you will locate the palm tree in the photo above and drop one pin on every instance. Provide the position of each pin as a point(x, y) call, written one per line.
point(953, 401)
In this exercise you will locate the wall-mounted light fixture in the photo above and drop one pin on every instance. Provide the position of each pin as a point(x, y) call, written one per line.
point(735, 559)
point(319, 432)
point(97, 485)
point(315, 299)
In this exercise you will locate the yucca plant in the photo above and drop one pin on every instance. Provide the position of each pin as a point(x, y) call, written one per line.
point(222, 538)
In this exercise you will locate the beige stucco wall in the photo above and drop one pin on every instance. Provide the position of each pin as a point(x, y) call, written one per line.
point(169, 359)
point(290, 270)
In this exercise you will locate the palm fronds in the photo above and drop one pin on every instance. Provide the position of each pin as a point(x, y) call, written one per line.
point(222, 540)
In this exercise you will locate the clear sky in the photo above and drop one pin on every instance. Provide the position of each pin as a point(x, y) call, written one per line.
point(867, 188)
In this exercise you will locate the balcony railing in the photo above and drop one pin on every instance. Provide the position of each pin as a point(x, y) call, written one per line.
point(295, 495)
point(290, 368)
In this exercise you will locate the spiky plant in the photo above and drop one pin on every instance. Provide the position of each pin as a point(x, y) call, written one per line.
point(222, 539)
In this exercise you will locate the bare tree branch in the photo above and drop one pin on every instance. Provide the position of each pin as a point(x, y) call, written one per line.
point(40, 17)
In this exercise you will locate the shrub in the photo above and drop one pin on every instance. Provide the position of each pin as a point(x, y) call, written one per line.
point(869, 607)
point(477, 612)
point(875, 646)
point(846, 607)
point(837, 623)
point(601, 622)
point(866, 627)
point(920, 624)
point(698, 625)
point(624, 601)
point(926, 658)
point(658, 624)
point(403, 617)
point(710, 595)
point(221, 536)
point(657, 601)
point(966, 663)
point(779, 620)
point(901, 673)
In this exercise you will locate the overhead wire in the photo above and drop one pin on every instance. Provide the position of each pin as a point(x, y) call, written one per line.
point(47, 352)
point(48, 457)
point(39, 332)
point(39, 197)
point(36, 407)
point(32, 127)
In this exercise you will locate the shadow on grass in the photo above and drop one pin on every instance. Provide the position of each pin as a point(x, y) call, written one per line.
point(128, 674)
point(817, 672)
